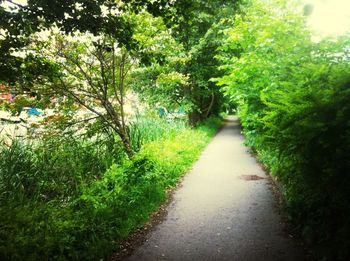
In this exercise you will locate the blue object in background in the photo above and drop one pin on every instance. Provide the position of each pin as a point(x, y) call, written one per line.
point(181, 111)
point(162, 112)
point(34, 112)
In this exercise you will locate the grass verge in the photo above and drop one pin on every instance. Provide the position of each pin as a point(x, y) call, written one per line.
point(101, 212)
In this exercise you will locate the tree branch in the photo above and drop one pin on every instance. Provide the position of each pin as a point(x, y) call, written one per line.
point(78, 100)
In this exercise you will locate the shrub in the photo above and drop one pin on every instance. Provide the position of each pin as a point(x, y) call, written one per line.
point(88, 207)
point(293, 102)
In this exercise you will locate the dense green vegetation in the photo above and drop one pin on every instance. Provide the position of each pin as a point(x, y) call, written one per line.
point(81, 185)
point(64, 200)
point(293, 99)
point(96, 171)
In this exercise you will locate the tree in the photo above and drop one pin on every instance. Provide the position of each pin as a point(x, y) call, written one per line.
point(120, 47)
point(188, 20)
point(94, 71)
point(258, 52)
point(292, 96)
point(196, 25)
point(18, 22)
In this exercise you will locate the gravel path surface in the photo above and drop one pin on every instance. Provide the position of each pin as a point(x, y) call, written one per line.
point(224, 210)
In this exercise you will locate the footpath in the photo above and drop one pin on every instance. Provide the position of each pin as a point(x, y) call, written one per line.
point(224, 210)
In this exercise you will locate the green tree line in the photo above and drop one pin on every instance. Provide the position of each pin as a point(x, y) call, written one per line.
point(292, 96)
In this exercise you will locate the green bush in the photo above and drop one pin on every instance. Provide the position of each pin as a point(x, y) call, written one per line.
point(311, 142)
point(293, 101)
point(81, 210)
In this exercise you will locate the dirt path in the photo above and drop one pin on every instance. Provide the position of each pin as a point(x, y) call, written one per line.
point(224, 210)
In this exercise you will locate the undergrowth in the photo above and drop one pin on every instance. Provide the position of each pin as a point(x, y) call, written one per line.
point(292, 96)
point(64, 200)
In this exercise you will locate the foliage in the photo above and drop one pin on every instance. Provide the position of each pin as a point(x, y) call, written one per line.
point(93, 75)
point(94, 72)
point(72, 194)
point(159, 79)
point(18, 22)
point(181, 79)
point(292, 98)
point(197, 27)
point(73, 200)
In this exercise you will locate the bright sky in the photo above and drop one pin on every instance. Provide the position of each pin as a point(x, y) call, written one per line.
point(330, 17)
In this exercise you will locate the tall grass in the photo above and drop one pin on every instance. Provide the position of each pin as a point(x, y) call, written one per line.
point(50, 168)
point(69, 200)
point(144, 129)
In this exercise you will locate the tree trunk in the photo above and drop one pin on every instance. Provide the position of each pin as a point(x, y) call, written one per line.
point(210, 105)
point(127, 146)
point(193, 118)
